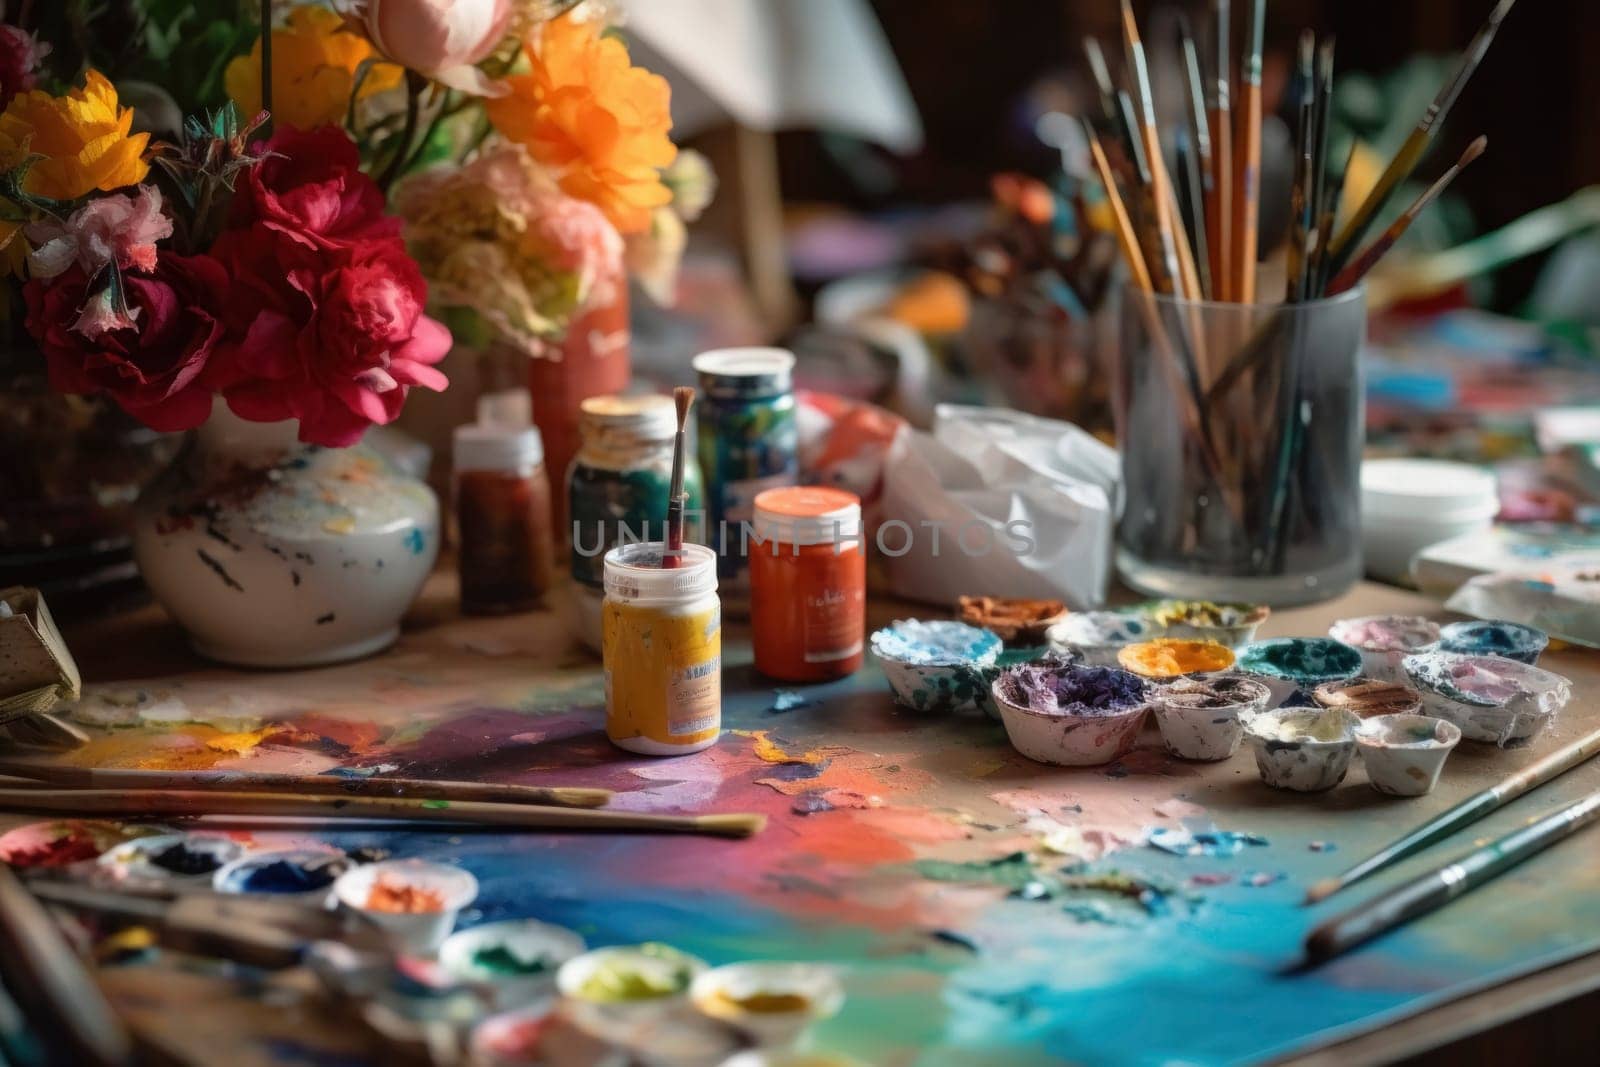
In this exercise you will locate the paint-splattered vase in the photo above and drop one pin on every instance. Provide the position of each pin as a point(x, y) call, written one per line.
point(272, 553)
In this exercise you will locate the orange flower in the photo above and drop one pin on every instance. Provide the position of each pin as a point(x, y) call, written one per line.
point(314, 61)
point(84, 138)
point(598, 122)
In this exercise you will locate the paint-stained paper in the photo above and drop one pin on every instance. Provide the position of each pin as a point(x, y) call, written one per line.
point(1562, 599)
point(995, 502)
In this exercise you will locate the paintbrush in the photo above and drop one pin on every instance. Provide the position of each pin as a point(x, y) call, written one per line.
point(1300, 210)
point(1321, 117)
point(1465, 813)
point(1198, 164)
point(1127, 240)
point(1102, 81)
point(50, 983)
point(254, 930)
point(163, 802)
point(1247, 208)
point(417, 789)
point(1219, 208)
point(1416, 144)
point(1330, 215)
point(1176, 258)
point(1351, 275)
point(672, 554)
point(1441, 885)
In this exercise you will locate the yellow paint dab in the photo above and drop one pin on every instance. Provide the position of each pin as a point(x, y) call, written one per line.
point(770, 751)
point(341, 524)
point(240, 743)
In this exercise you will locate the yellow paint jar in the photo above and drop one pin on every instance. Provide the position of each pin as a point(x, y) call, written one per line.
point(661, 643)
point(1168, 657)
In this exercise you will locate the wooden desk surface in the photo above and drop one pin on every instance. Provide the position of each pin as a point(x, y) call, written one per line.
point(898, 872)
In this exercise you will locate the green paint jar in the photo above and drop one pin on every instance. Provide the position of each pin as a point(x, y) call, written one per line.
point(619, 481)
point(748, 442)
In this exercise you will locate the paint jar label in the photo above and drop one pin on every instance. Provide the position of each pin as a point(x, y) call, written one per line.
point(833, 625)
point(694, 698)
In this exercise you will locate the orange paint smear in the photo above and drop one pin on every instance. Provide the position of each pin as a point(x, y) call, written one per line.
point(1168, 657)
point(187, 747)
point(401, 898)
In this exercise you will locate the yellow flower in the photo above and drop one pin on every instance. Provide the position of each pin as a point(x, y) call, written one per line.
point(84, 136)
point(13, 249)
point(598, 122)
point(314, 61)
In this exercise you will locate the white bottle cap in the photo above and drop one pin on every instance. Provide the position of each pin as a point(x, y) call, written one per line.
point(497, 448)
point(634, 574)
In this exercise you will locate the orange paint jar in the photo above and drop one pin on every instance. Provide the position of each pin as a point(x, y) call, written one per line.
point(808, 584)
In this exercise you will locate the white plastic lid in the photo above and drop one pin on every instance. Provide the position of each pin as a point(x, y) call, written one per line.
point(634, 573)
point(1426, 490)
point(651, 417)
point(807, 515)
point(752, 371)
point(497, 448)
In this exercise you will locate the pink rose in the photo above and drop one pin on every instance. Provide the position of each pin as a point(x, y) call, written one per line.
point(153, 366)
point(310, 188)
point(442, 39)
point(118, 229)
point(334, 339)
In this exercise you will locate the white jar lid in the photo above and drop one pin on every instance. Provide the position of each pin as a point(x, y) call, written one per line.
point(497, 448)
point(1427, 490)
point(649, 417)
point(634, 573)
point(751, 371)
point(807, 515)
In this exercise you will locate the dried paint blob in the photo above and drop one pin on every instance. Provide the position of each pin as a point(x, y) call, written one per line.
point(396, 897)
point(1212, 694)
point(630, 974)
point(1368, 698)
point(65, 842)
point(1288, 664)
point(1494, 637)
point(1071, 716)
point(772, 1002)
point(1229, 624)
point(937, 665)
point(1097, 636)
point(1071, 690)
point(1386, 633)
point(1171, 657)
point(1303, 750)
point(1018, 621)
point(517, 959)
point(170, 856)
point(1204, 720)
point(293, 871)
point(1489, 697)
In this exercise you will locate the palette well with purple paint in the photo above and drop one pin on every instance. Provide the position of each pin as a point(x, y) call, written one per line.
point(976, 907)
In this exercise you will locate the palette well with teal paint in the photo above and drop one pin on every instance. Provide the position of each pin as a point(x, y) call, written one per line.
point(979, 908)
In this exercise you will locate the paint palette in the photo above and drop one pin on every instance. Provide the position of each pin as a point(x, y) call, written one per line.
point(938, 665)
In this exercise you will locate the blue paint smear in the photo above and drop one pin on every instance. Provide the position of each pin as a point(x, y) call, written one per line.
point(416, 541)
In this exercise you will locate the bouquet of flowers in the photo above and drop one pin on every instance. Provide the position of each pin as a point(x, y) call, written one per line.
point(250, 251)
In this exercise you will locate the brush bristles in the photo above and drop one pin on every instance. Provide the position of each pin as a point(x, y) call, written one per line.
point(1322, 890)
point(1474, 150)
point(731, 825)
point(683, 399)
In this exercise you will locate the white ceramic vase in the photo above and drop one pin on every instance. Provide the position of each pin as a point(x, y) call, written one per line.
point(273, 553)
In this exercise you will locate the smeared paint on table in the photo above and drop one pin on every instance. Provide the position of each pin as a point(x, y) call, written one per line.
point(892, 851)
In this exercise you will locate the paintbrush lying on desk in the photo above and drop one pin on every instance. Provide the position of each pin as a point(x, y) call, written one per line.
point(52, 985)
point(124, 803)
point(300, 784)
point(1468, 811)
point(1440, 886)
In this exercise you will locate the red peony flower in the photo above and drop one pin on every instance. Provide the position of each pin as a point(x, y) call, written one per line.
point(154, 366)
point(334, 338)
point(311, 189)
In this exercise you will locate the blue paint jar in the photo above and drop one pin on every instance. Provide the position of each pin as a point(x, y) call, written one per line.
point(748, 442)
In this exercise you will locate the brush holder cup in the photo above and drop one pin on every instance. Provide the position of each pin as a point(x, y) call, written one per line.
point(1240, 429)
